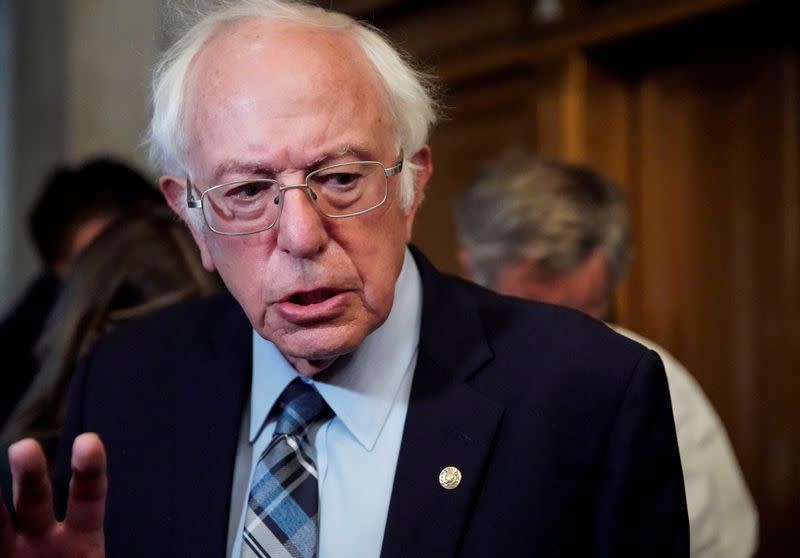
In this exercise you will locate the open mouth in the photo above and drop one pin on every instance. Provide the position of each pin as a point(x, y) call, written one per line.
point(312, 297)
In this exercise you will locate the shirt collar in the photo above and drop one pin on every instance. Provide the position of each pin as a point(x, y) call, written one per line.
point(360, 389)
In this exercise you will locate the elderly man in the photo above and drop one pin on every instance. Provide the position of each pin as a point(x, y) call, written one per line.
point(345, 399)
point(558, 233)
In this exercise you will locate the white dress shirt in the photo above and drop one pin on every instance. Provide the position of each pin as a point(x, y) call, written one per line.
point(723, 522)
point(356, 450)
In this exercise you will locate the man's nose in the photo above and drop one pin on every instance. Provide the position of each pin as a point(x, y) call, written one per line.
point(301, 229)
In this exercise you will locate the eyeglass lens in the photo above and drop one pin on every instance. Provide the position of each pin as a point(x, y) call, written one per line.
point(338, 191)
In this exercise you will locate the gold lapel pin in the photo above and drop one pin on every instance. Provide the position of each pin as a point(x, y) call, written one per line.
point(450, 478)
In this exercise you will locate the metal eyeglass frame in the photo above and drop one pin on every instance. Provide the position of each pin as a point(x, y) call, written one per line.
point(197, 203)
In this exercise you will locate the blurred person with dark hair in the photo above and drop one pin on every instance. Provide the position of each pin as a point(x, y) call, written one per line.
point(141, 262)
point(558, 233)
point(73, 208)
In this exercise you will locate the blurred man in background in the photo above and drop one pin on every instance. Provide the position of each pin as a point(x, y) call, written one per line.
point(561, 234)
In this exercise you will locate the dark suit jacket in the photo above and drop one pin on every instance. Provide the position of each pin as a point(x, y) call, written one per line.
point(562, 431)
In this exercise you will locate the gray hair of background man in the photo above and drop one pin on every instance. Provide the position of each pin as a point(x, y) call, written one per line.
point(521, 206)
point(409, 92)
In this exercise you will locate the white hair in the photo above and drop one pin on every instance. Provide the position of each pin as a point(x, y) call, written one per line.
point(409, 92)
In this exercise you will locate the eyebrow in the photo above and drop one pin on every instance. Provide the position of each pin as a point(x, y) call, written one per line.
point(232, 166)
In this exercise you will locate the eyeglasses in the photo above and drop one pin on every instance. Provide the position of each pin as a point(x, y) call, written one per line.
point(254, 205)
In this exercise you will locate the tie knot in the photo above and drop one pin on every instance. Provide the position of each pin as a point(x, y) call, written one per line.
point(299, 406)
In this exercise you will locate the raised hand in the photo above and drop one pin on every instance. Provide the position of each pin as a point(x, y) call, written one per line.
point(38, 534)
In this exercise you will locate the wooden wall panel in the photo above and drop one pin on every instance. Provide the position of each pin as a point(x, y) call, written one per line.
point(435, 28)
point(717, 183)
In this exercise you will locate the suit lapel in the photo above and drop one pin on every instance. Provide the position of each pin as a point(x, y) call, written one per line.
point(448, 424)
point(212, 387)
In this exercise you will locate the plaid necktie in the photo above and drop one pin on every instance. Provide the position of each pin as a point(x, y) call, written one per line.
point(282, 518)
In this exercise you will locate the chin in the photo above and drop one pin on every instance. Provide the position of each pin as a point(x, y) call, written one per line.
point(321, 343)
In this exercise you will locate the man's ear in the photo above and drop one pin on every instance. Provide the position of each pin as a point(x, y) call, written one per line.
point(466, 265)
point(174, 190)
point(423, 161)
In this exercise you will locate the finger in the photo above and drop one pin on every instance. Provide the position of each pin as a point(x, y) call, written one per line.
point(6, 530)
point(33, 496)
point(87, 489)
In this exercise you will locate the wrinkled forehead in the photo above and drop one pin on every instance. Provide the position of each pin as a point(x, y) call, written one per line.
point(277, 44)
point(281, 93)
point(286, 62)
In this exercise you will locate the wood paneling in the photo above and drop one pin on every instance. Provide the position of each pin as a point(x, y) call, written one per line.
point(706, 144)
point(718, 188)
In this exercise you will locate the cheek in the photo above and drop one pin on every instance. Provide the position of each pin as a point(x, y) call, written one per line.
point(239, 261)
point(377, 253)
point(379, 282)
